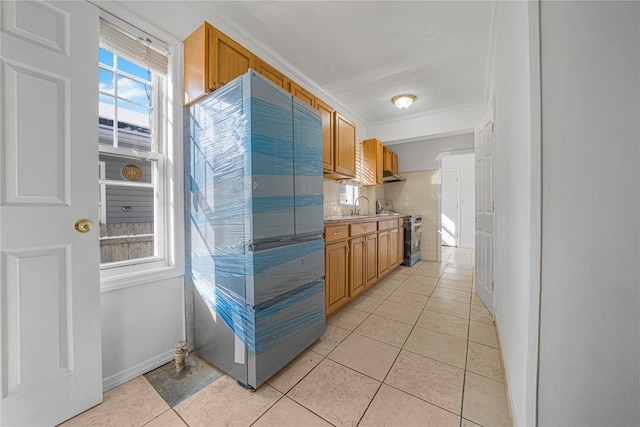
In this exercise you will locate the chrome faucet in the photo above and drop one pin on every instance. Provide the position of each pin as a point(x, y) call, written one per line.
point(354, 211)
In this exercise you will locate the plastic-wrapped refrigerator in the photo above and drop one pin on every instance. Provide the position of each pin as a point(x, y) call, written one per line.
point(255, 252)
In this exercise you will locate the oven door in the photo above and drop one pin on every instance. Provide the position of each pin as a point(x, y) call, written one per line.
point(416, 233)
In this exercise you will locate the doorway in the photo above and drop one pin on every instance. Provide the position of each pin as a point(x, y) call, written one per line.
point(457, 199)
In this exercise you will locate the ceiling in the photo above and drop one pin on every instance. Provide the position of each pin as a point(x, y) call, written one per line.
point(365, 52)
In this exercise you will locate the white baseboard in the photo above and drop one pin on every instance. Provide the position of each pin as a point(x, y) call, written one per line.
point(139, 369)
point(507, 387)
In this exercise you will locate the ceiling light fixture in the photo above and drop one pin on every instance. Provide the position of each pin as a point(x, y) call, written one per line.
point(403, 101)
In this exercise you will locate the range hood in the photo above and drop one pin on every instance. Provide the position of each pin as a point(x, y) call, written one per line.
point(393, 178)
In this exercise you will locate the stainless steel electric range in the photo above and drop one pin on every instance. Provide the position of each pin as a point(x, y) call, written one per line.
point(412, 231)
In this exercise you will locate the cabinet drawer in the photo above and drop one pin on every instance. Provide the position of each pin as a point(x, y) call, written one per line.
point(334, 233)
point(387, 224)
point(363, 228)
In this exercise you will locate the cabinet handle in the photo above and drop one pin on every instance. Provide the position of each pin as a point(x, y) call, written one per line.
point(348, 250)
point(335, 233)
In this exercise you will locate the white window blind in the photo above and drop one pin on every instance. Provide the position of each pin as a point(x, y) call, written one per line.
point(358, 178)
point(138, 47)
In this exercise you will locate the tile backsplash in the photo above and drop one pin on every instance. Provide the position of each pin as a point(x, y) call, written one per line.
point(332, 204)
point(418, 195)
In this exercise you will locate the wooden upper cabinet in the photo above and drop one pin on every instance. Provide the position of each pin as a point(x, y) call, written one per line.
point(328, 128)
point(196, 64)
point(345, 147)
point(379, 162)
point(211, 60)
point(372, 162)
point(394, 163)
point(271, 73)
point(390, 162)
point(301, 93)
point(228, 59)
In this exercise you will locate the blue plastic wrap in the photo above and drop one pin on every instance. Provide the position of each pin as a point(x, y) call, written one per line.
point(256, 211)
point(265, 326)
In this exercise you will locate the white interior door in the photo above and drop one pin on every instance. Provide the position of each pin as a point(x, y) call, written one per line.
point(450, 221)
point(50, 352)
point(485, 211)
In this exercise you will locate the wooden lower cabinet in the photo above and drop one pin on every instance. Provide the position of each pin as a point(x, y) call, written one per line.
point(371, 260)
point(393, 248)
point(357, 256)
point(336, 275)
point(383, 253)
point(363, 263)
point(400, 252)
point(357, 266)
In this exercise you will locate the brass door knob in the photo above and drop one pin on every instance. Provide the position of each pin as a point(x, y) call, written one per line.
point(83, 226)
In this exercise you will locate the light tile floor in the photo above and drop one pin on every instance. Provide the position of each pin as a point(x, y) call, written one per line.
point(418, 349)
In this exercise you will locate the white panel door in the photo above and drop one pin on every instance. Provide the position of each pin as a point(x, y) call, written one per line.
point(50, 352)
point(450, 221)
point(485, 209)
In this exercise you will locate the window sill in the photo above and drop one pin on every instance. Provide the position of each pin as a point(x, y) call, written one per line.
point(114, 282)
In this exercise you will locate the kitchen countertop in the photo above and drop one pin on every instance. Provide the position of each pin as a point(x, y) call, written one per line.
point(335, 219)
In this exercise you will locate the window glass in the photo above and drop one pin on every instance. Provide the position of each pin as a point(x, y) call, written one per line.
point(106, 81)
point(133, 69)
point(348, 194)
point(105, 57)
point(128, 163)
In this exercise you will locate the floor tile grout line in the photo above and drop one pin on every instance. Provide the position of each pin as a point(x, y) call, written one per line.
point(180, 416)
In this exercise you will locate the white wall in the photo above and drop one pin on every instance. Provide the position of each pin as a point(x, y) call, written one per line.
point(143, 315)
point(590, 296)
point(464, 164)
point(416, 126)
point(423, 154)
point(140, 327)
point(511, 85)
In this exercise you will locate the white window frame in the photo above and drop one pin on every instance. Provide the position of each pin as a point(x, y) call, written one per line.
point(168, 220)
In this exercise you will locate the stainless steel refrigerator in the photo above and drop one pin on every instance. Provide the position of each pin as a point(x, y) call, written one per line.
point(255, 253)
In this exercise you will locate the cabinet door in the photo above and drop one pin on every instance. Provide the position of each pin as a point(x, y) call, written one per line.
point(196, 64)
point(400, 252)
point(227, 59)
point(371, 259)
point(393, 249)
point(357, 266)
point(336, 275)
point(379, 161)
point(368, 170)
point(345, 147)
point(383, 253)
point(388, 160)
point(302, 93)
point(271, 73)
point(394, 163)
point(328, 128)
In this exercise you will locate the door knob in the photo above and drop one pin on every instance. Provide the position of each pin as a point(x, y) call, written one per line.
point(83, 226)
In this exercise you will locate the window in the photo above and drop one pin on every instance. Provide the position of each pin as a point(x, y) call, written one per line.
point(348, 194)
point(132, 148)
